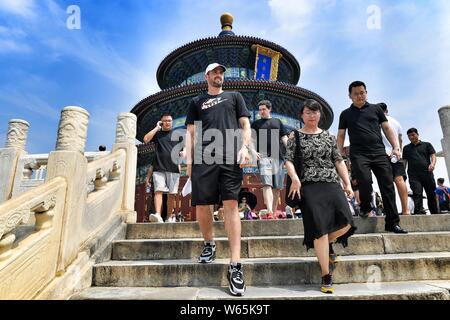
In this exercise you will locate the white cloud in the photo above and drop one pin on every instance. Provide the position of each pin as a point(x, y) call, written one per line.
point(11, 46)
point(292, 15)
point(11, 32)
point(92, 51)
point(11, 40)
point(24, 8)
point(15, 99)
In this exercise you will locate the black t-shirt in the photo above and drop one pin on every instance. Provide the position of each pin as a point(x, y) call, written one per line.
point(265, 128)
point(418, 157)
point(219, 112)
point(364, 129)
point(164, 145)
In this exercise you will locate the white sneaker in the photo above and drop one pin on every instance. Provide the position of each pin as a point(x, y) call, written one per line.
point(155, 218)
point(172, 219)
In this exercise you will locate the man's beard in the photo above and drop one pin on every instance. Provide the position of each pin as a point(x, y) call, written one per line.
point(217, 83)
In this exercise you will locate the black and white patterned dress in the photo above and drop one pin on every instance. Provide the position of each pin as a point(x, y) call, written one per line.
point(325, 208)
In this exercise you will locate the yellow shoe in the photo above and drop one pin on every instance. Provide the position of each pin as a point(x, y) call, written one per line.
point(327, 284)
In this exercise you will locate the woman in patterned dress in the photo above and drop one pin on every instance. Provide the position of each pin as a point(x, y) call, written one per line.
point(326, 213)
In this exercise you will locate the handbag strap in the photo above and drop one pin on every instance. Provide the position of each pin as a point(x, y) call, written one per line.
point(298, 153)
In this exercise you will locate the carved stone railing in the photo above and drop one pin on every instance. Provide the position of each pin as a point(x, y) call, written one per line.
point(30, 173)
point(67, 219)
point(444, 117)
point(32, 170)
point(14, 149)
point(108, 168)
point(21, 260)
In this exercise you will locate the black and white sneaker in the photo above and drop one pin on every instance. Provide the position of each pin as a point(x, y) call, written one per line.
point(236, 280)
point(208, 254)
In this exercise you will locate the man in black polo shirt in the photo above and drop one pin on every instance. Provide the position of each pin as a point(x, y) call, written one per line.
point(420, 159)
point(364, 122)
point(166, 172)
point(268, 132)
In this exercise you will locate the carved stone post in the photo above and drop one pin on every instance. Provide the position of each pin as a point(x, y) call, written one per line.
point(9, 156)
point(68, 161)
point(125, 139)
point(444, 116)
point(17, 134)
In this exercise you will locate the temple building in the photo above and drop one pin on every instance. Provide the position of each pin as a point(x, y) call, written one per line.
point(257, 68)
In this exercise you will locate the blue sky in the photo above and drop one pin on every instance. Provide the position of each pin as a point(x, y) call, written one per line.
point(109, 64)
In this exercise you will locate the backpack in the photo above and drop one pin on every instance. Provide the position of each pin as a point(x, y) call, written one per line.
point(446, 194)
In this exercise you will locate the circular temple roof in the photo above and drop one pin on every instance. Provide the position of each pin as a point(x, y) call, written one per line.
point(229, 50)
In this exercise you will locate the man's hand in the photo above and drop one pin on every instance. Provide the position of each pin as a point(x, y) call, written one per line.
point(159, 125)
point(243, 157)
point(396, 152)
point(431, 168)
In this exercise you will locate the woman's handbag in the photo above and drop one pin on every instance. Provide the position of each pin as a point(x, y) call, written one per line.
point(298, 165)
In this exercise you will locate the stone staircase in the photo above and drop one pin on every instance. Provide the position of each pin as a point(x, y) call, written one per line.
point(158, 261)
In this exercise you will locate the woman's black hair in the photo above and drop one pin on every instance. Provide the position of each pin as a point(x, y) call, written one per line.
point(311, 104)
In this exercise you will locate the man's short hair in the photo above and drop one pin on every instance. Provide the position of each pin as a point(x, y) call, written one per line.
point(101, 148)
point(440, 180)
point(383, 106)
point(166, 115)
point(266, 103)
point(355, 84)
point(311, 104)
point(412, 130)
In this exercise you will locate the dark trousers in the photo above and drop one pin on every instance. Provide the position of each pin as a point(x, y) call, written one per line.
point(381, 167)
point(419, 182)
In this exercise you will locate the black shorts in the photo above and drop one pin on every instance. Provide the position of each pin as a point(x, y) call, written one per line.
point(214, 182)
point(398, 170)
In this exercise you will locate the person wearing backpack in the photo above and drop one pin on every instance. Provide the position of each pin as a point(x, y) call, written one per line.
point(442, 196)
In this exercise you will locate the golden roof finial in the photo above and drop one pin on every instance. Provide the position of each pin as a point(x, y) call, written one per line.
point(226, 20)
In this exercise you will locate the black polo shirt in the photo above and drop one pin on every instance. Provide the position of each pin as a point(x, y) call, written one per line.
point(163, 155)
point(418, 157)
point(364, 131)
point(268, 131)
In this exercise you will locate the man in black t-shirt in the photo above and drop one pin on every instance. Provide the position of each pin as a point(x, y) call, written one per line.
point(364, 122)
point(420, 159)
point(214, 119)
point(267, 134)
point(166, 171)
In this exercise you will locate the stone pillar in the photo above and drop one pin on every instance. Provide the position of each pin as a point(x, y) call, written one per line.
point(69, 162)
point(125, 139)
point(444, 116)
point(9, 156)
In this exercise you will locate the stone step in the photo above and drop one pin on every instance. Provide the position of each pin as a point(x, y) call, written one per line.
point(410, 290)
point(289, 246)
point(273, 271)
point(284, 227)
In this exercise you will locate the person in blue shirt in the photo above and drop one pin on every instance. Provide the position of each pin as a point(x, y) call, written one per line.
point(442, 195)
